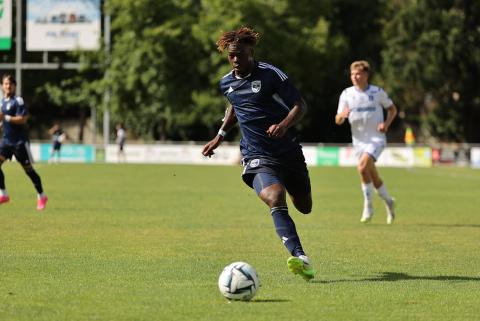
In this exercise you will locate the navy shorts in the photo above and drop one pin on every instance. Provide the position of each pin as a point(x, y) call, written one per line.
point(20, 151)
point(292, 173)
point(57, 146)
point(121, 145)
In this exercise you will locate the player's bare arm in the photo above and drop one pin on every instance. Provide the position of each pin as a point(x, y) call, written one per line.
point(228, 122)
point(392, 112)
point(296, 113)
point(19, 120)
point(340, 117)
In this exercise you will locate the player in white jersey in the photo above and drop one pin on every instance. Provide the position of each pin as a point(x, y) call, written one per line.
point(121, 136)
point(363, 105)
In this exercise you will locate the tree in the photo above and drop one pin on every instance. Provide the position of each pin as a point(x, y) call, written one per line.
point(304, 38)
point(431, 62)
point(163, 68)
point(153, 66)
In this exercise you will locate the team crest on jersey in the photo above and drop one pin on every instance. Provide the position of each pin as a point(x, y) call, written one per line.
point(370, 97)
point(254, 163)
point(256, 86)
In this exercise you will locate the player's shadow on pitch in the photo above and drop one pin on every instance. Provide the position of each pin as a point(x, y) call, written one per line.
point(269, 301)
point(397, 276)
point(452, 225)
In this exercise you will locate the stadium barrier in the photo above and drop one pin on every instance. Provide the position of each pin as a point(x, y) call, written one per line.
point(70, 153)
point(173, 154)
point(475, 157)
point(228, 154)
point(452, 154)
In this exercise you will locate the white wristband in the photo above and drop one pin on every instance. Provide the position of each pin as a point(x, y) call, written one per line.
point(7, 118)
point(221, 132)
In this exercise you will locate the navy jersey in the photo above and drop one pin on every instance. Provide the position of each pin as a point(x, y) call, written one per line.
point(57, 136)
point(14, 134)
point(261, 99)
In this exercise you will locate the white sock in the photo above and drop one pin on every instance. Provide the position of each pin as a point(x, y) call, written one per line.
point(305, 259)
point(3, 192)
point(367, 190)
point(41, 195)
point(382, 192)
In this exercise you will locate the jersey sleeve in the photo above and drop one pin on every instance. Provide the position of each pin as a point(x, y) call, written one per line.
point(286, 90)
point(223, 90)
point(342, 102)
point(384, 100)
point(21, 107)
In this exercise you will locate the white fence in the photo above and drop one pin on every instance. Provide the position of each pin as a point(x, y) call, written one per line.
point(315, 155)
point(228, 155)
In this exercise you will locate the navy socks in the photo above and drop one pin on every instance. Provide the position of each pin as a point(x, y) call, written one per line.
point(37, 182)
point(286, 230)
point(2, 180)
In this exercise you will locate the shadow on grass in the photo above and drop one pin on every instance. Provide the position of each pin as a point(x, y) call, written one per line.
point(269, 301)
point(396, 276)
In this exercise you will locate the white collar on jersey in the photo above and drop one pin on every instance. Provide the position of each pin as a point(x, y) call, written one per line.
point(235, 75)
point(360, 90)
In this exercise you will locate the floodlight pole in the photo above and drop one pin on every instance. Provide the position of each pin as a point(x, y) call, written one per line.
point(18, 49)
point(19, 66)
point(106, 95)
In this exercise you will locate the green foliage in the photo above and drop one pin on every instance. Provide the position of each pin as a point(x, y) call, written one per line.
point(431, 57)
point(295, 36)
point(152, 66)
point(163, 68)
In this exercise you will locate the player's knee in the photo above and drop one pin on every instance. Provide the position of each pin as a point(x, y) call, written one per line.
point(303, 203)
point(27, 168)
point(304, 207)
point(362, 168)
point(273, 196)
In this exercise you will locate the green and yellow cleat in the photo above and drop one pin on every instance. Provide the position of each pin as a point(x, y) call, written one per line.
point(301, 265)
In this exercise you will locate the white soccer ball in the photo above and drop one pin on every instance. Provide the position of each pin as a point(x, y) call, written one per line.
point(238, 281)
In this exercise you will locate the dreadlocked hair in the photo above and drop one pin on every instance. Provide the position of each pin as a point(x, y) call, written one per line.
point(244, 35)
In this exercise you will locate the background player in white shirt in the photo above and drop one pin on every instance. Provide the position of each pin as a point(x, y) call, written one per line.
point(363, 105)
point(121, 136)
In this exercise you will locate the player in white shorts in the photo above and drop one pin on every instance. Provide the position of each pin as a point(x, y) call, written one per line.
point(363, 105)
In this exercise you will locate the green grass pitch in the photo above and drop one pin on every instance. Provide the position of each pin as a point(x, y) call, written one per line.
point(148, 242)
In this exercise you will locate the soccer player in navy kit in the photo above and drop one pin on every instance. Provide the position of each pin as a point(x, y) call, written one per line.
point(58, 136)
point(15, 139)
point(266, 105)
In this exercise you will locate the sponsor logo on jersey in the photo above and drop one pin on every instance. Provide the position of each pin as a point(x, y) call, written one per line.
point(363, 109)
point(256, 86)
